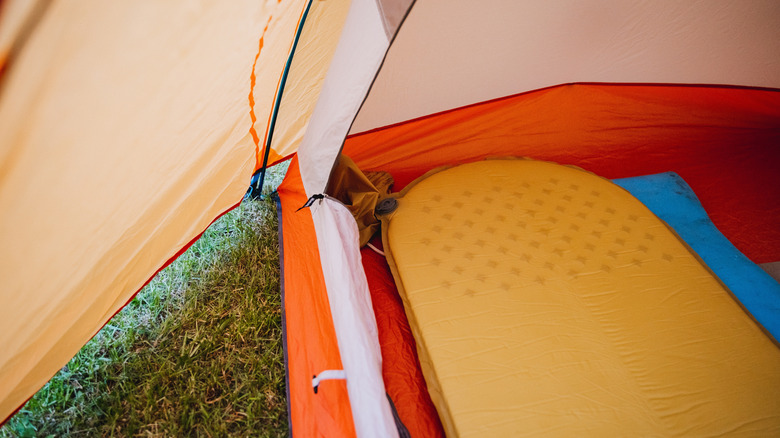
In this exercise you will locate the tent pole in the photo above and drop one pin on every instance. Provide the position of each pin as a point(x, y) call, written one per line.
point(256, 191)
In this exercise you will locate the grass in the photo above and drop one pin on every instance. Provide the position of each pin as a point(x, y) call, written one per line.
point(198, 352)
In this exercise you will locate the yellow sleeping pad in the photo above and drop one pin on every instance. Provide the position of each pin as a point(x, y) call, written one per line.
point(546, 300)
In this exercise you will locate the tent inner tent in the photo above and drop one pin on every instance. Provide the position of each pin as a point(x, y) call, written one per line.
point(127, 128)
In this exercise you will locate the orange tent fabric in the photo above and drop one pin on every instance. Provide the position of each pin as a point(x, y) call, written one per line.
point(401, 366)
point(722, 140)
point(310, 340)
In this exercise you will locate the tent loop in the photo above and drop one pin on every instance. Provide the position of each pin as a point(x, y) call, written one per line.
point(327, 375)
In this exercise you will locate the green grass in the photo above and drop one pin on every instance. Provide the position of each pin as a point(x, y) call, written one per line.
point(198, 352)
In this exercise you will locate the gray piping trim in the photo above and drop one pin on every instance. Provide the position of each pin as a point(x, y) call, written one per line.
point(278, 202)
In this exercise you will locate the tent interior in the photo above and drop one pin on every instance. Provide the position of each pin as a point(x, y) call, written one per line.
point(727, 171)
point(670, 108)
point(612, 95)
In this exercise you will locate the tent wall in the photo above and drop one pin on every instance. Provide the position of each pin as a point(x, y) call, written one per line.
point(360, 52)
point(468, 52)
point(17, 19)
point(722, 140)
point(124, 131)
point(338, 241)
point(319, 36)
point(310, 336)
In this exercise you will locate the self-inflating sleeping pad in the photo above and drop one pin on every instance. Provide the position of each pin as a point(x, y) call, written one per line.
point(545, 299)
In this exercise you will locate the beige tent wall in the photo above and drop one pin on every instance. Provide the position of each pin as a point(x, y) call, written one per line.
point(124, 131)
point(491, 49)
point(17, 18)
point(365, 37)
point(318, 41)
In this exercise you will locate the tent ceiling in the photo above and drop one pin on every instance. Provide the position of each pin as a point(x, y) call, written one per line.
point(467, 52)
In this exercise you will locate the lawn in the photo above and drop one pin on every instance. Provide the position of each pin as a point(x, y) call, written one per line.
point(198, 352)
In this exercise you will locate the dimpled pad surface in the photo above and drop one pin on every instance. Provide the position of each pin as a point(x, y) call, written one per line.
point(547, 300)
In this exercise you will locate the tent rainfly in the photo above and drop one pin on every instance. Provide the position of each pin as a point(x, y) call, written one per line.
point(127, 128)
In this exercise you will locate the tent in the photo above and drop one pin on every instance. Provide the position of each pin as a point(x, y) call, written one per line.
point(126, 129)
